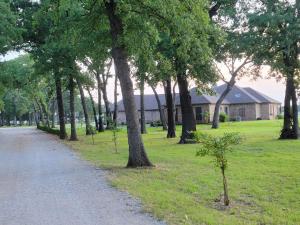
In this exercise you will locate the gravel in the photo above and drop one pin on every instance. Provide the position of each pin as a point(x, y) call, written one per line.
point(43, 182)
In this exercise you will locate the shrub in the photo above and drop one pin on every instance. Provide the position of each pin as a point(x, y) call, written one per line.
point(218, 147)
point(48, 130)
point(206, 117)
point(279, 117)
point(223, 117)
point(156, 123)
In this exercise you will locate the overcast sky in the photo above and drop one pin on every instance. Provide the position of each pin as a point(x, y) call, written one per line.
point(270, 87)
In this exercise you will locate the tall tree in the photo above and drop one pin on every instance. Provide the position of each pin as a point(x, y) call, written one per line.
point(93, 106)
point(73, 136)
point(275, 33)
point(170, 109)
point(137, 153)
point(9, 32)
point(142, 104)
point(115, 116)
point(88, 127)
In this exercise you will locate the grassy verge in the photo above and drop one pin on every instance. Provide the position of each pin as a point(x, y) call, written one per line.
point(263, 176)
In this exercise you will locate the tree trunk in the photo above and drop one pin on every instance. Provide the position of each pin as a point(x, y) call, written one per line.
point(187, 112)
point(45, 112)
point(60, 105)
point(229, 86)
point(291, 125)
point(137, 153)
point(73, 136)
point(41, 114)
point(115, 117)
point(94, 108)
point(174, 103)
point(88, 128)
point(37, 121)
point(170, 109)
point(143, 121)
point(100, 125)
point(226, 197)
point(161, 112)
point(53, 109)
point(107, 108)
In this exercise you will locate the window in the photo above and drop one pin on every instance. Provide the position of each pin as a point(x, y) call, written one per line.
point(176, 115)
point(226, 110)
point(242, 112)
point(198, 113)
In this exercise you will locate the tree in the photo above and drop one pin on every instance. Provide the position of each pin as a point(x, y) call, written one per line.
point(88, 127)
point(93, 106)
point(142, 108)
point(73, 136)
point(9, 32)
point(160, 109)
point(115, 116)
point(275, 35)
point(170, 109)
point(137, 153)
point(237, 59)
point(218, 147)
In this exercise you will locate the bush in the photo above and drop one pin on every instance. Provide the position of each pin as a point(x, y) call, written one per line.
point(48, 130)
point(156, 124)
point(223, 117)
point(279, 117)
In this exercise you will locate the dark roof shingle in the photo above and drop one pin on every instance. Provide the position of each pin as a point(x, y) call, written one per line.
point(237, 95)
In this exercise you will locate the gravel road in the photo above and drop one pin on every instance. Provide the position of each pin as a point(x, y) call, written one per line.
point(42, 182)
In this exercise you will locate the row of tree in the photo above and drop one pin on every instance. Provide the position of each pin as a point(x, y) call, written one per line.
point(154, 41)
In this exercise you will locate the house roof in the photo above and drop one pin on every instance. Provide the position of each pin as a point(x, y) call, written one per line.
point(238, 95)
point(262, 97)
point(149, 101)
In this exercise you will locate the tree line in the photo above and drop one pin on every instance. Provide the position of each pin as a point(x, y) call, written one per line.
point(155, 42)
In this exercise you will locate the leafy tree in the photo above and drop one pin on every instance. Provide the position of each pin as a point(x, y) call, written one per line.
point(218, 147)
point(9, 33)
point(275, 34)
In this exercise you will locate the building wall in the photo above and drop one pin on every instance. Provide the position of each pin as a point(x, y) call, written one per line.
point(266, 111)
point(243, 111)
point(269, 111)
point(150, 116)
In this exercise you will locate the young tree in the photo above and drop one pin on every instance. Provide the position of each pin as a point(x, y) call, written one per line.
point(218, 147)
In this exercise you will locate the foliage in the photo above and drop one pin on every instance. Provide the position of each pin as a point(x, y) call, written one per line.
point(279, 117)
point(223, 117)
point(9, 33)
point(217, 146)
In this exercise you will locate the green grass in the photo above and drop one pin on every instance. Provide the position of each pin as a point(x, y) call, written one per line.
point(263, 176)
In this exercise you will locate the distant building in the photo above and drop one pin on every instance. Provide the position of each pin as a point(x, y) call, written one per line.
point(240, 104)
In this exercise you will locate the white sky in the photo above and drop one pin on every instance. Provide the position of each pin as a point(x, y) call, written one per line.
point(270, 87)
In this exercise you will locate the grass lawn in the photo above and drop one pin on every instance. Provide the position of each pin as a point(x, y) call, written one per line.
point(263, 176)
